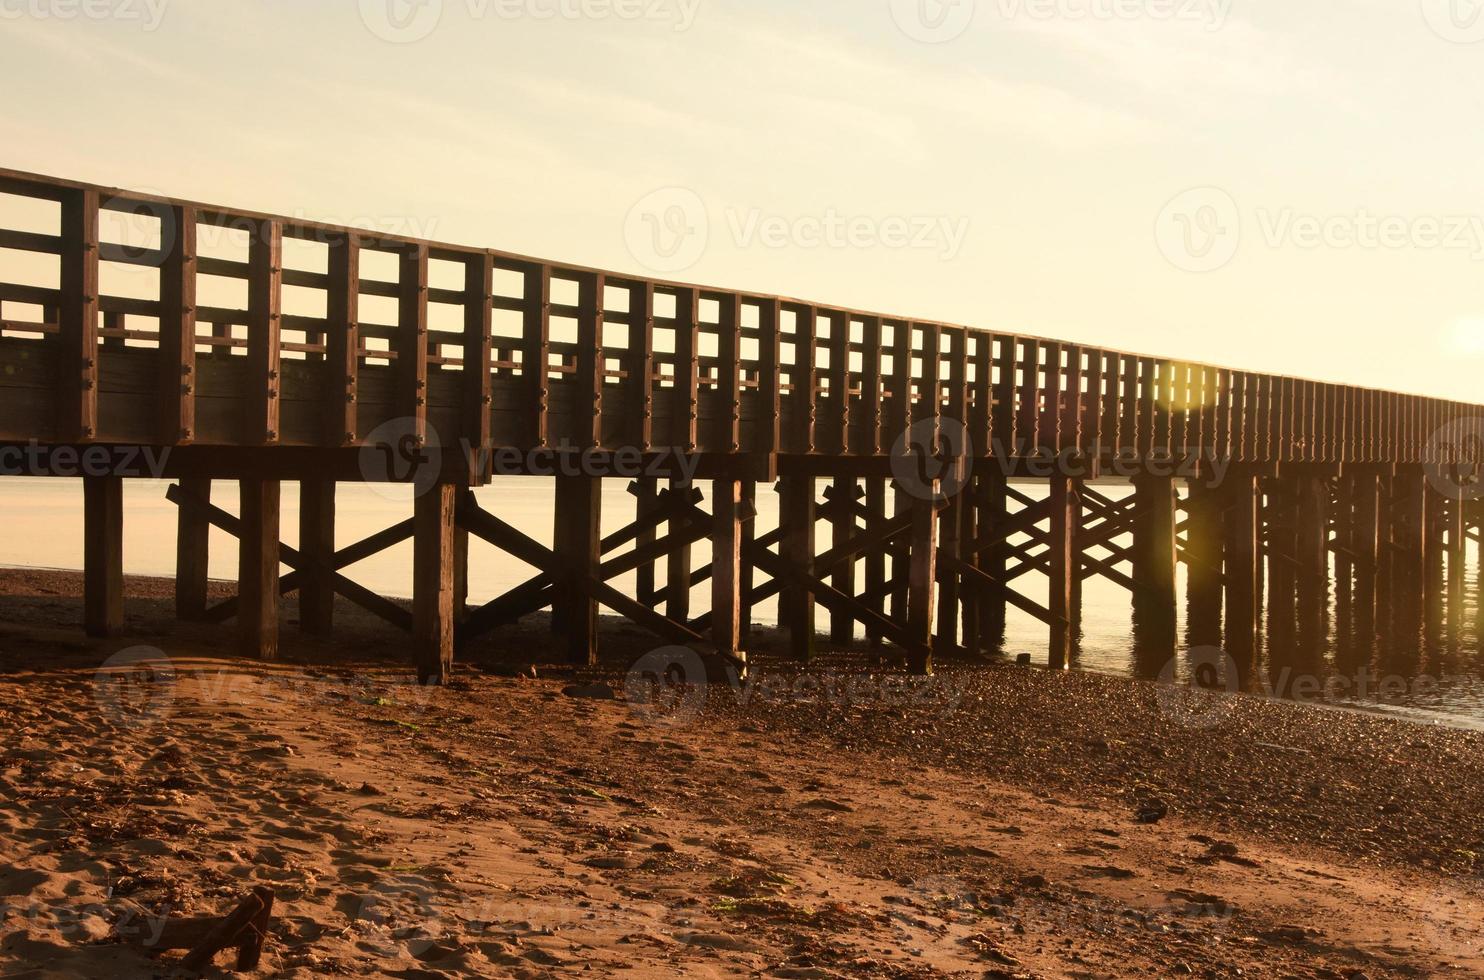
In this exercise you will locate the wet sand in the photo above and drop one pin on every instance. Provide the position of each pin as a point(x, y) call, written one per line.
point(996, 822)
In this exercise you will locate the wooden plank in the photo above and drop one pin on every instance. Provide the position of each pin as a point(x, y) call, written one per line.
point(685, 408)
point(921, 581)
point(729, 375)
point(803, 379)
point(837, 439)
point(769, 383)
point(536, 354)
point(411, 341)
point(433, 583)
point(178, 328)
point(900, 418)
point(640, 367)
point(870, 394)
point(342, 340)
point(77, 328)
point(587, 409)
point(475, 427)
point(257, 569)
point(317, 543)
point(1062, 530)
point(103, 555)
point(264, 300)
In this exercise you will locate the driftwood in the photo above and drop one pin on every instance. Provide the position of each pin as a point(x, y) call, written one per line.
point(244, 929)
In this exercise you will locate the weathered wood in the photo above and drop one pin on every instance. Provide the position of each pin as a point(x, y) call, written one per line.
point(178, 327)
point(433, 583)
point(1154, 547)
point(251, 914)
point(77, 326)
point(842, 625)
point(475, 426)
point(796, 507)
point(192, 553)
point(410, 341)
point(316, 543)
point(645, 494)
point(1062, 528)
point(1241, 527)
point(678, 579)
point(726, 561)
point(103, 555)
point(921, 583)
point(1204, 556)
point(577, 545)
point(262, 424)
point(257, 569)
point(342, 341)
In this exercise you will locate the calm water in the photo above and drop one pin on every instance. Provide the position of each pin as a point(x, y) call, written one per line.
point(46, 531)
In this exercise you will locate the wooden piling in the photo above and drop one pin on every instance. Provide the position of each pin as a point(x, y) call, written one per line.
point(192, 552)
point(316, 543)
point(678, 570)
point(1203, 560)
point(432, 583)
point(1154, 555)
point(257, 568)
point(1063, 566)
point(103, 555)
point(797, 518)
point(1311, 519)
point(921, 580)
point(1241, 527)
point(847, 491)
point(727, 512)
point(576, 541)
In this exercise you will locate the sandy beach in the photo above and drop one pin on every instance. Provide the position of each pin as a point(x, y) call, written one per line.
point(532, 822)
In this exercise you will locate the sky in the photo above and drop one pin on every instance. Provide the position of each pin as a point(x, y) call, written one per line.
point(1281, 185)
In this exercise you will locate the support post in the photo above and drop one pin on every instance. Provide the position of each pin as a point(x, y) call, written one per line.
point(103, 555)
point(1409, 567)
point(1312, 534)
point(1282, 537)
point(1457, 556)
point(950, 540)
point(433, 520)
point(1154, 546)
point(257, 569)
point(749, 535)
point(1064, 564)
point(646, 498)
point(797, 517)
point(1365, 538)
point(726, 566)
point(678, 568)
point(847, 491)
point(921, 579)
point(992, 506)
point(192, 551)
point(1203, 552)
point(316, 542)
point(577, 544)
point(1241, 528)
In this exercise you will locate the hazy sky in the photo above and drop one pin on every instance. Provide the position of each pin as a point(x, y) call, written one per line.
point(1290, 185)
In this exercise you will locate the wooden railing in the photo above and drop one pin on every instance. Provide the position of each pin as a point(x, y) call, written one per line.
point(319, 348)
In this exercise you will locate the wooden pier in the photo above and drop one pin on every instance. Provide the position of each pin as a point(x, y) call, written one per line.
point(272, 349)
